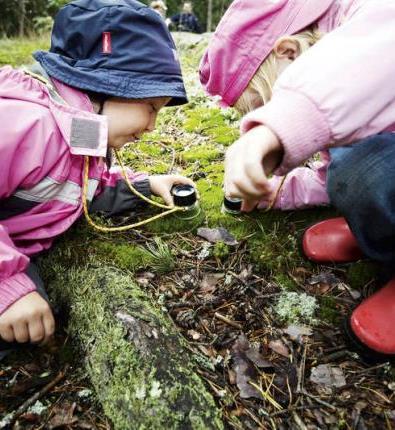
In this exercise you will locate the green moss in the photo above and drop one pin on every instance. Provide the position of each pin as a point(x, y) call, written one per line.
point(211, 122)
point(221, 250)
point(138, 364)
point(329, 311)
point(361, 273)
point(128, 257)
point(202, 154)
point(285, 282)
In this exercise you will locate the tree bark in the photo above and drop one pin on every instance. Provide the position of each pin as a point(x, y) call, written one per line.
point(209, 15)
point(22, 18)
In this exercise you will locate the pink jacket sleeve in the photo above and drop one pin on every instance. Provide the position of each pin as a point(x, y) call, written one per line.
point(339, 91)
point(302, 188)
point(22, 153)
point(14, 283)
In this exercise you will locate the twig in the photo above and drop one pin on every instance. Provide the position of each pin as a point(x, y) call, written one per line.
point(299, 421)
point(318, 400)
point(292, 409)
point(362, 372)
point(300, 371)
point(228, 321)
point(13, 416)
point(335, 356)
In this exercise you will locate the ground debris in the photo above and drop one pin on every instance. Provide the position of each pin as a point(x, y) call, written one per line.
point(215, 235)
point(328, 376)
point(24, 378)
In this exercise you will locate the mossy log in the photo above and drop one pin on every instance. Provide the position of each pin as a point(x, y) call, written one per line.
point(138, 364)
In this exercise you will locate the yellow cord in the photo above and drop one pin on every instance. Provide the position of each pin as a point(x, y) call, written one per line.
point(273, 201)
point(171, 210)
point(133, 190)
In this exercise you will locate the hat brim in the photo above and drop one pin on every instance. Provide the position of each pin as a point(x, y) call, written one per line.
point(309, 12)
point(115, 83)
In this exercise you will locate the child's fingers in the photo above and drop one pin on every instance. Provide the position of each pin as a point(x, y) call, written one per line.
point(249, 205)
point(244, 187)
point(178, 179)
point(36, 330)
point(49, 326)
point(164, 192)
point(21, 332)
point(7, 333)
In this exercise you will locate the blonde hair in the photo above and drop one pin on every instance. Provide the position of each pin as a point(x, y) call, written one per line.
point(263, 81)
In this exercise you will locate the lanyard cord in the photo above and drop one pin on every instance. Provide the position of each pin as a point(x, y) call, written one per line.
point(171, 209)
point(133, 190)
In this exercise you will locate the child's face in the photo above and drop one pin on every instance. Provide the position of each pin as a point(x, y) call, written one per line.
point(129, 119)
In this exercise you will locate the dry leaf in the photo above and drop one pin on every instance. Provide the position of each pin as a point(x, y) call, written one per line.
point(215, 235)
point(296, 332)
point(279, 347)
point(324, 374)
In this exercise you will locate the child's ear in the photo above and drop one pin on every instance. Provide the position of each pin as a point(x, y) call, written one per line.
point(287, 48)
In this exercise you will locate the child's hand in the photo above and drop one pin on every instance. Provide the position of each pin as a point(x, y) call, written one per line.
point(162, 184)
point(248, 161)
point(29, 319)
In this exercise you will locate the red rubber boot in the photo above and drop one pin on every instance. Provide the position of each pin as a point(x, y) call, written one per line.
point(372, 323)
point(331, 241)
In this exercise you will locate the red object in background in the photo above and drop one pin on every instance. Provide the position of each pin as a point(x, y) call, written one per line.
point(331, 241)
point(107, 48)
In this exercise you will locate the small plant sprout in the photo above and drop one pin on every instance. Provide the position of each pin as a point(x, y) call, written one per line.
point(161, 258)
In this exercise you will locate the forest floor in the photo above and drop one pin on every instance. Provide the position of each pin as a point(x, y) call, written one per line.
point(263, 325)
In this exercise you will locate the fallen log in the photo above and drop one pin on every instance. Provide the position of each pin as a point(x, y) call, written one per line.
point(141, 372)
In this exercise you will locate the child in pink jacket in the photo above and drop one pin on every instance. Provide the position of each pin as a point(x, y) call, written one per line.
point(111, 67)
point(316, 76)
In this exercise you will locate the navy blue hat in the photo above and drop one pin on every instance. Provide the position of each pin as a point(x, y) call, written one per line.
point(119, 48)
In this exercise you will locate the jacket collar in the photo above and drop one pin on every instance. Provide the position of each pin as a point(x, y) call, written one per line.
point(85, 132)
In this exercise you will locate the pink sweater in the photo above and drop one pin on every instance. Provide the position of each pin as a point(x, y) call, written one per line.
point(338, 92)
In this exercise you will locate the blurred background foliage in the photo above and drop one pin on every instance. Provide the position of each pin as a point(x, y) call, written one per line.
point(30, 17)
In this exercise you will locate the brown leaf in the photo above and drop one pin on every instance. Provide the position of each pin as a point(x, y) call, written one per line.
point(296, 332)
point(232, 376)
point(63, 415)
point(215, 235)
point(329, 376)
point(327, 278)
point(279, 347)
point(245, 373)
point(257, 358)
point(209, 282)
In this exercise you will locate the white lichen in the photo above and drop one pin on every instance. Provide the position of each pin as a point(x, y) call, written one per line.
point(141, 392)
point(295, 308)
point(85, 393)
point(155, 391)
point(38, 408)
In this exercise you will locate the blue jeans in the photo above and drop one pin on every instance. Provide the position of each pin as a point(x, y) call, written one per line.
point(361, 185)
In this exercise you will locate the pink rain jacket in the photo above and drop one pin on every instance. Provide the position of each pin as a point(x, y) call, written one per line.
point(42, 143)
point(338, 92)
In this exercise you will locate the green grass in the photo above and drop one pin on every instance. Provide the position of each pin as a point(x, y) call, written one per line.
point(17, 51)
